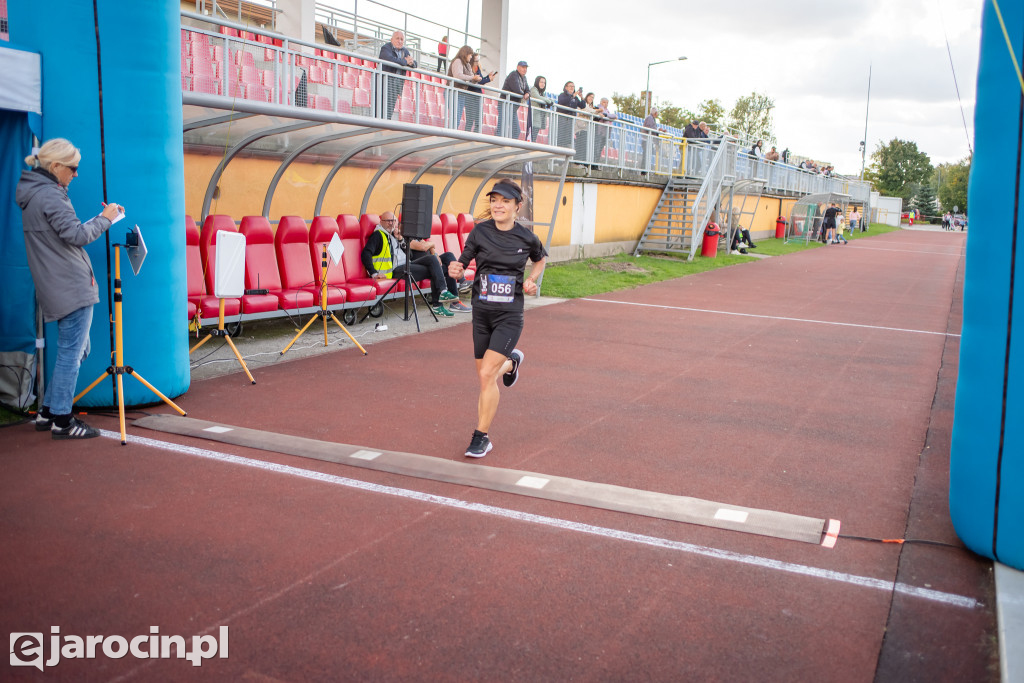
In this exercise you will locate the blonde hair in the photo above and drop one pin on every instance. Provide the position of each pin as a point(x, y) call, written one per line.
point(55, 151)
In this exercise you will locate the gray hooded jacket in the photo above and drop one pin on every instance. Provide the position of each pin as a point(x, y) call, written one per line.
point(54, 237)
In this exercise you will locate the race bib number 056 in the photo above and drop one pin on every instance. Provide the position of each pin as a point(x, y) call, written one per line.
point(498, 289)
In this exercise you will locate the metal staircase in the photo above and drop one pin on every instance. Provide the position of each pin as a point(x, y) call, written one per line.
point(678, 222)
point(670, 228)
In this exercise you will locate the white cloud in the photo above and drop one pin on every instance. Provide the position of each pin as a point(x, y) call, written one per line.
point(811, 56)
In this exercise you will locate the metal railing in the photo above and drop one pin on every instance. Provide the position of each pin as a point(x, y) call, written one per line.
point(231, 60)
point(242, 9)
point(710, 191)
point(366, 35)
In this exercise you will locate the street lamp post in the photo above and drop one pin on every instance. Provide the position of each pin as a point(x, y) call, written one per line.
point(647, 95)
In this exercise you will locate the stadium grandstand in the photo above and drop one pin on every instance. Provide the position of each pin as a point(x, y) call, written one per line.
point(289, 118)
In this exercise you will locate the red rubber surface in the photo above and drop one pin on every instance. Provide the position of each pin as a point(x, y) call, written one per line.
point(322, 582)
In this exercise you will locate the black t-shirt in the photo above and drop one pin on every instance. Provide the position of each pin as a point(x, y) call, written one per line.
point(501, 257)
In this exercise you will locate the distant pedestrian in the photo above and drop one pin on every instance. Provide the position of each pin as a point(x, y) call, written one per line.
point(442, 54)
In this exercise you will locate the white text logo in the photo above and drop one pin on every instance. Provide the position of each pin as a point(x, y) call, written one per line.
point(27, 648)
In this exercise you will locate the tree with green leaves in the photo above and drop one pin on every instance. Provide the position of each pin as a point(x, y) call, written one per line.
point(924, 200)
point(751, 116)
point(898, 168)
point(952, 182)
point(711, 112)
point(633, 105)
point(668, 114)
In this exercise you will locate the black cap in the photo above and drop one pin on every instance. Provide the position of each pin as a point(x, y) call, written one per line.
point(507, 191)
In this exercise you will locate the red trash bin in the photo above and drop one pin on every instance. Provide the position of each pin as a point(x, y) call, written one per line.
point(709, 246)
point(780, 228)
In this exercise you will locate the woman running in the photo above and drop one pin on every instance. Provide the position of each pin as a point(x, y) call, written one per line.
point(501, 247)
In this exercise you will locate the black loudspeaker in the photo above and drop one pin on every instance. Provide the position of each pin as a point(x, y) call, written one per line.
point(417, 211)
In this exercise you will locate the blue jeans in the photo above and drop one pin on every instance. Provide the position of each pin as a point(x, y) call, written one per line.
point(72, 349)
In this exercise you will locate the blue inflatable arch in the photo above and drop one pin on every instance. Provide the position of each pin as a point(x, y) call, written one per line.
point(130, 135)
point(986, 497)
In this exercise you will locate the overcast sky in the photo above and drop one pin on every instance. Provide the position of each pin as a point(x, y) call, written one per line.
point(810, 56)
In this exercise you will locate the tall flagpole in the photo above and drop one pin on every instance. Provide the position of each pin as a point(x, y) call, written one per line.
point(864, 145)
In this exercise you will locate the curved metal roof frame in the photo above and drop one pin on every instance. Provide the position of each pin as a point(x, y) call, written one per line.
point(470, 164)
point(387, 164)
point(487, 179)
point(230, 154)
point(212, 127)
point(344, 159)
point(438, 159)
point(822, 198)
point(292, 157)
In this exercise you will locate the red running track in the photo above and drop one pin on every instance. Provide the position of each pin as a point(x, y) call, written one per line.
point(831, 397)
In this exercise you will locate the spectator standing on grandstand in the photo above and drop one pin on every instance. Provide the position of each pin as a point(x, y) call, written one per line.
point(538, 102)
point(461, 71)
point(501, 247)
point(518, 89)
point(854, 219)
point(604, 116)
point(756, 150)
point(568, 103)
point(583, 126)
point(384, 256)
point(442, 54)
point(772, 155)
point(395, 52)
point(473, 108)
point(62, 273)
point(651, 122)
point(705, 132)
point(692, 131)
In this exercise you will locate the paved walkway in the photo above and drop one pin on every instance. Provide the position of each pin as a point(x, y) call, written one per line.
point(819, 384)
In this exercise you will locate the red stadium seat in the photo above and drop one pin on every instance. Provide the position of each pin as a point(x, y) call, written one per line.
point(450, 234)
point(260, 266)
point(291, 244)
point(466, 223)
point(209, 305)
point(361, 98)
point(193, 267)
point(350, 233)
point(321, 230)
point(437, 234)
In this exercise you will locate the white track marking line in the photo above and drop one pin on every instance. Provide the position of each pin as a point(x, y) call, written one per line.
point(652, 541)
point(911, 251)
point(768, 317)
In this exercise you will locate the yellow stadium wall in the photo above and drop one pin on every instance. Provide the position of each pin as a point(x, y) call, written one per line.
point(621, 214)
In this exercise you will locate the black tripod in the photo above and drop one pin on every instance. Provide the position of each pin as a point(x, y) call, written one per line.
point(409, 284)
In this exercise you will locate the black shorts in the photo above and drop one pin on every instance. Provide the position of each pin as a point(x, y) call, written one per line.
point(496, 331)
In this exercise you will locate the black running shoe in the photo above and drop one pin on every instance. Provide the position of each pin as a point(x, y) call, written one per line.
point(43, 421)
point(512, 376)
point(76, 429)
point(479, 446)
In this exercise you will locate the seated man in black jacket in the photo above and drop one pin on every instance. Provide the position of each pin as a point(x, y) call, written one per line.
point(384, 257)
